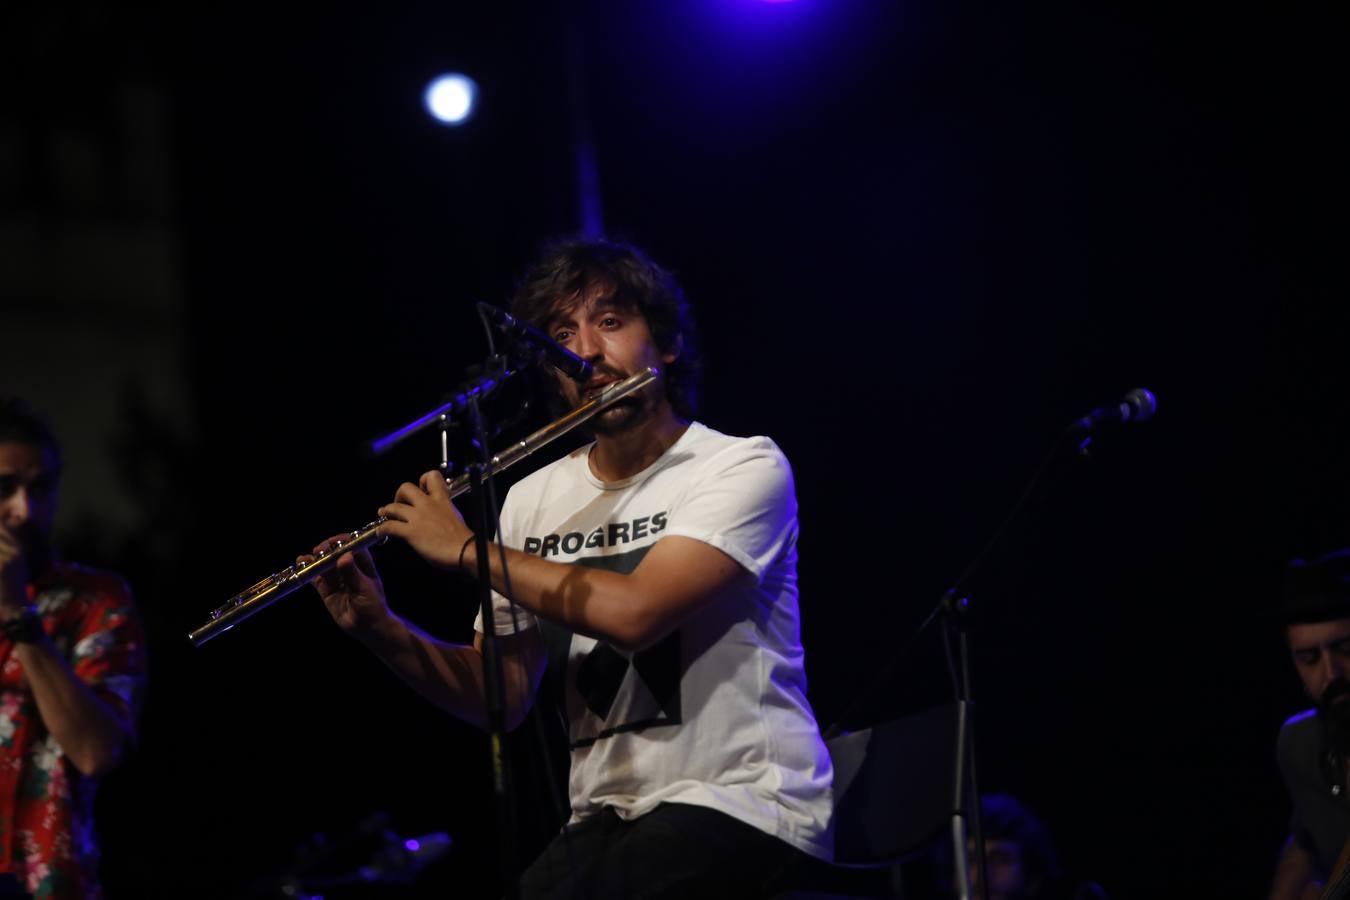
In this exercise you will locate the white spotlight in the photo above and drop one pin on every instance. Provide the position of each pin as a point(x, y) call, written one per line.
point(451, 98)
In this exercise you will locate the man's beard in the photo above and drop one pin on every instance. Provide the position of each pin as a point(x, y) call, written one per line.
point(621, 416)
point(1334, 711)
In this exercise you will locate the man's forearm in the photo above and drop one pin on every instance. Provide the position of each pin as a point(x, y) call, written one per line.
point(593, 602)
point(676, 577)
point(90, 733)
point(451, 675)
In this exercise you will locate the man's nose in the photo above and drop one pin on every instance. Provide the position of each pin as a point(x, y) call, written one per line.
point(1333, 666)
point(587, 345)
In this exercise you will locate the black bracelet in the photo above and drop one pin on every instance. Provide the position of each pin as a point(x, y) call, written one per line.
point(25, 628)
point(467, 542)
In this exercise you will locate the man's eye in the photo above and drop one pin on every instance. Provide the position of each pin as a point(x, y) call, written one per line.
point(610, 322)
point(1306, 657)
point(561, 336)
point(8, 485)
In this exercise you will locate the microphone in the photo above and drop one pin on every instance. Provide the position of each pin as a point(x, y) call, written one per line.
point(1138, 405)
point(545, 347)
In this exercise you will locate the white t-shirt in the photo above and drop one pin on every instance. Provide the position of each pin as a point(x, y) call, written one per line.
point(716, 714)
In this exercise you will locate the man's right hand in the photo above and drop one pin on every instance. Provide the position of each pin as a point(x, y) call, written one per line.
point(352, 590)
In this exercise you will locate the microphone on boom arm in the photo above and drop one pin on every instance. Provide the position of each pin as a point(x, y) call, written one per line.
point(543, 346)
point(1137, 406)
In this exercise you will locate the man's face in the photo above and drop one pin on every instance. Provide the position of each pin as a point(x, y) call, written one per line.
point(1321, 654)
point(618, 343)
point(28, 482)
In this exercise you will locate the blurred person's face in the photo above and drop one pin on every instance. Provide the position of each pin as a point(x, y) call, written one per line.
point(28, 483)
point(1321, 654)
point(1007, 878)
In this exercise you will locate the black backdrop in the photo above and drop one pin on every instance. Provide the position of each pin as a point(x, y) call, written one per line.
point(919, 239)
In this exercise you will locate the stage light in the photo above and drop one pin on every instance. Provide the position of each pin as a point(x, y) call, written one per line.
point(451, 98)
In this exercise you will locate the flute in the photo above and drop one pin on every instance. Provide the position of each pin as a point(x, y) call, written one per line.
point(269, 590)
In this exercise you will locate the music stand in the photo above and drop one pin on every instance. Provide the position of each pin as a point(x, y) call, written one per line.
point(888, 805)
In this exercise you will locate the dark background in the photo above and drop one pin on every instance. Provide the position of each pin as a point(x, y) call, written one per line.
point(919, 240)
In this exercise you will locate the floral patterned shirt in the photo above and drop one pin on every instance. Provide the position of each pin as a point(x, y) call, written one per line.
point(47, 837)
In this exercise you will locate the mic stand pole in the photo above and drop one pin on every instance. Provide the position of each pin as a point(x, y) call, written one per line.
point(1139, 406)
point(492, 664)
point(954, 610)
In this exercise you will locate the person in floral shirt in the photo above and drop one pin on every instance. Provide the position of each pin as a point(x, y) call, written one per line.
point(72, 664)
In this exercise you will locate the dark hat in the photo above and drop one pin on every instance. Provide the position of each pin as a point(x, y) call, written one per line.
point(1318, 590)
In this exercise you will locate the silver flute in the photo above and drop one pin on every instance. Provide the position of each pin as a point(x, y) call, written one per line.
point(269, 590)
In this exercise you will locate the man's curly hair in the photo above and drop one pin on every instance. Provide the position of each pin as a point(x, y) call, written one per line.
point(573, 269)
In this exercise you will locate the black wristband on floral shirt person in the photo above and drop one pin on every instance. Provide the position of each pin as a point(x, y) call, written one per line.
point(25, 628)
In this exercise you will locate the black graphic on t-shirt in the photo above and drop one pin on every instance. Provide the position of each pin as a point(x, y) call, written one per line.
point(599, 677)
point(601, 674)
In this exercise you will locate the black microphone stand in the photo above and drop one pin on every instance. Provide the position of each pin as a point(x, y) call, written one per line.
point(954, 609)
point(495, 372)
point(965, 785)
point(531, 348)
point(493, 681)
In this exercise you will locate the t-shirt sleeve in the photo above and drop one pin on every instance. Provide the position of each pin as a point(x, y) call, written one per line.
point(1295, 754)
point(109, 650)
point(1284, 762)
point(742, 502)
point(507, 617)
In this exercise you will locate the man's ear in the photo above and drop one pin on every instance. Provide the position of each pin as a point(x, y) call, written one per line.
point(673, 353)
